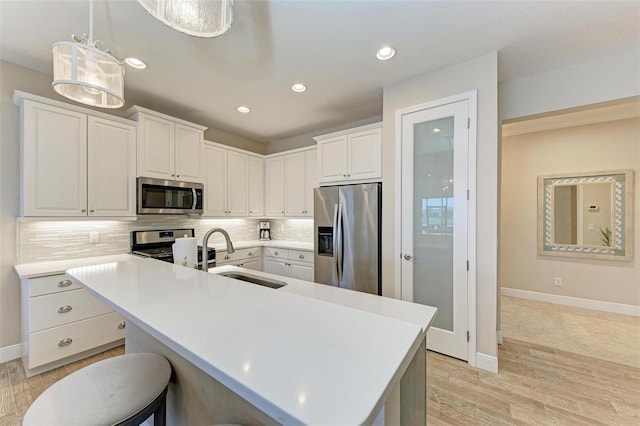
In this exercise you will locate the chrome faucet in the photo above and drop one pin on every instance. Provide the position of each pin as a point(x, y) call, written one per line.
point(205, 242)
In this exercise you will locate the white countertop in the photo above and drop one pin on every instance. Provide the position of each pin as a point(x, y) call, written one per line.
point(298, 359)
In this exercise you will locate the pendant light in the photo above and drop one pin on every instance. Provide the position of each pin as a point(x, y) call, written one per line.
point(86, 74)
point(200, 18)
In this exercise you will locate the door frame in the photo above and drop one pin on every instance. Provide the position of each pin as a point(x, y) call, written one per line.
point(470, 96)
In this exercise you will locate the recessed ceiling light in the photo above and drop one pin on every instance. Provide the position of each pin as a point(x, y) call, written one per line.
point(436, 130)
point(299, 88)
point(385, 53)
point(135, 63)
point(243, 109)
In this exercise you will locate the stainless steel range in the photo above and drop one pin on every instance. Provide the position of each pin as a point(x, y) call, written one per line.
point(157, 244)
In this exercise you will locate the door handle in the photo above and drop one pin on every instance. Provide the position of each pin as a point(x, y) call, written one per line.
point(409, 257)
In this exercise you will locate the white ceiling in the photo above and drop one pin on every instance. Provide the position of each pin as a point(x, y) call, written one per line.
point(329, 45)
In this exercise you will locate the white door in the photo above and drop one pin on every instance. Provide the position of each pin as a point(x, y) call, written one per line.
point(275, 185)
point(256, 186)
point(434, 220)
point(237, 184)
point(188, 153)
point(111, 164)
point(365, 161)
point(155, 147)
point(214, 163)
point(295, 184)
point(276, 266)
point(54, 164)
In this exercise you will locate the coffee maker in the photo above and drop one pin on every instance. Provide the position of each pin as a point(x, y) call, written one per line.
point(265, 230)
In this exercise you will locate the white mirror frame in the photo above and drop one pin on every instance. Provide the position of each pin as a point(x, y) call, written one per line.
point(622, 209)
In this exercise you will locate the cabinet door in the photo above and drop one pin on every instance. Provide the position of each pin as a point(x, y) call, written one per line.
point(253, 264)
point(54, 168)
point(256, 186)
point(111, 149)
point(215, 181)
point(332, 162)
point(237, 184)
point(155, 147)
point(365, 161)
point(311, 179)
point(188, 153)
point(295, 184)
point(275, 186)
point(301, 271)
point(276, 266)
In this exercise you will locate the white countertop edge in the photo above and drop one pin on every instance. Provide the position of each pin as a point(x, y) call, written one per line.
point(54, 267)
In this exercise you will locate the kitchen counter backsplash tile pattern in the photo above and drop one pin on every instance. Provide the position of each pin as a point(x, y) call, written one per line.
point(42, 241)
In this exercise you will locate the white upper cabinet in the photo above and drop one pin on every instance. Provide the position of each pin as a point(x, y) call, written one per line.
point(233, 182)
point(290, 182)
point(75, 164)
point(275, 186)
point(256, 186)
point(237, 184)
point(350, 155)
point(168, 148)
point(111, 179)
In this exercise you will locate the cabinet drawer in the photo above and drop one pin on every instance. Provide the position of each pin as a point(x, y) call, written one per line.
point(301, 255)
point(276, 252)
point(52, 310)
point(48, 345)
point(239, 254)
point(50, 284)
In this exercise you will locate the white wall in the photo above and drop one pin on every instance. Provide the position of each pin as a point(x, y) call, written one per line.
point(603, 146)
point(478, 74)
point(604, 79)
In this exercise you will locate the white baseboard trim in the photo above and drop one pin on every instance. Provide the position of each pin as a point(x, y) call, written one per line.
point(500, 337)
point(616, 308)
point(487, 362)
point(9, 353)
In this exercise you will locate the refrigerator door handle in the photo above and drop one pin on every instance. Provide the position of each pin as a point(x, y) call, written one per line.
point(335, 241)
point(339, 257)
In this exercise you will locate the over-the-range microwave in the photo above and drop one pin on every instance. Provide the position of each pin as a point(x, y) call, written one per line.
point(159, 196)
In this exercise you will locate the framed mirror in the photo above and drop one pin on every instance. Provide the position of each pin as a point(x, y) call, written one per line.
point(586, 215)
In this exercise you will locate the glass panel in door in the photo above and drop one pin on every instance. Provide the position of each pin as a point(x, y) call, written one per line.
point(433, 218)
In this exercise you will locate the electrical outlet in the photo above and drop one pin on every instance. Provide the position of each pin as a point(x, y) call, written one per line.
point(94, 237)
point(558, 282)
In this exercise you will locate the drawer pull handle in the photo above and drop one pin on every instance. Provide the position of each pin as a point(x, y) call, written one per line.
point(64, 309)
point(65, 342)
point(275, 252)
point(250, 253)
point(301, 256)
point(122, 325)
point(226, 256)
point(64, 283)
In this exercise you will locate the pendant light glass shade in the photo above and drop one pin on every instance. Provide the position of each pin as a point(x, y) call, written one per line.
point(200, 18)
point(88, 75)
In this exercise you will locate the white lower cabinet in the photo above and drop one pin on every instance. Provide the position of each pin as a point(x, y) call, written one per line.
point(289, 263)
point(62, 323)
point(249, 258)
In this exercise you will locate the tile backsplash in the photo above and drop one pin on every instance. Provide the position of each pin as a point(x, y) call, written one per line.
point(40, 241)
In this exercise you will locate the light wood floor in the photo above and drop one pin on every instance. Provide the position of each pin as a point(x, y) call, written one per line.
point(536, 385)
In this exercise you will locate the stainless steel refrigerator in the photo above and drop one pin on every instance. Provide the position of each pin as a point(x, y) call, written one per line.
point(347, 236)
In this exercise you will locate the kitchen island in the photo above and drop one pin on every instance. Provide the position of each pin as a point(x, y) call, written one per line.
point(249, 354)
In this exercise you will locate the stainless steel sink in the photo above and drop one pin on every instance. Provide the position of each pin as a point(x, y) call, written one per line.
point(266, 282)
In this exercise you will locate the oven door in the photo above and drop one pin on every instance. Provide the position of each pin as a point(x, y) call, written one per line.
point(158, 196)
